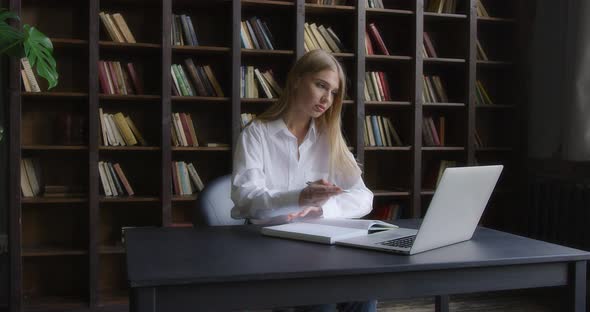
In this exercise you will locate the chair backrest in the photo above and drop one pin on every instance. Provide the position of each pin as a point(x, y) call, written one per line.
point(214, 204)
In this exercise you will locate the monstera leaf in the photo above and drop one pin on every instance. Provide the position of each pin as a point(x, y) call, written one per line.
point(31, 43)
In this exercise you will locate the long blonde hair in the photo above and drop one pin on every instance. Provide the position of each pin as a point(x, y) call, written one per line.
point(329, 123)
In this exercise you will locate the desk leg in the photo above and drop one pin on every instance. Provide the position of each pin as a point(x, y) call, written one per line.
point(441, 303)
point(577, 284)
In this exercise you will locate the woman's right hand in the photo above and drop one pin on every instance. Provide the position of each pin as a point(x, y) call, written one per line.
point(317, 193)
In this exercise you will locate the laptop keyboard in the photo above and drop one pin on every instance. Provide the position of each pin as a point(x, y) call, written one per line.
point(404, 242)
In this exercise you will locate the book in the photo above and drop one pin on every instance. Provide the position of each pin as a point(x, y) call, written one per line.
point(326, 231)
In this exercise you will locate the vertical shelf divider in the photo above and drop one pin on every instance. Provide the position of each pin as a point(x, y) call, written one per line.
point(470, 85)
point(417, 129)
point(236, 55)
point(166, 192)
point(359, 81)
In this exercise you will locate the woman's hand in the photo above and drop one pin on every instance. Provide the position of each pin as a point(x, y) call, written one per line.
point(311, 211)
point(317, 193)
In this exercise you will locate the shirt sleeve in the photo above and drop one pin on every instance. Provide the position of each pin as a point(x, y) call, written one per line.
point(355, 204)
point(251, 197)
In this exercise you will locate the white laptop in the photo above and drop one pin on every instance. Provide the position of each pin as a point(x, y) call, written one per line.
point(454, 212)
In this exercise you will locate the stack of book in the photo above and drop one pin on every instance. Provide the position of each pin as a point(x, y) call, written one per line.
point(116, 80)
point(442, 6)
point(379, 131)
point(377, 87)
point(182, 176)
point(119, 130)
point(252, 77)
point(386, 212)
point(428, 49)
point(481, 53)
point(374, 43)
point(431, 134)
point(29, 80)
point(183, 31)
point(482, 96)
point(481, 10)
point(114, 181)
point(434, 90)
point(204, 82)
point(30, 177)
point(374, 4)
point(183, 130)
point(434, 171)
point(255, 35)
point(246, 118)
point(116, 27)
point(320, 37)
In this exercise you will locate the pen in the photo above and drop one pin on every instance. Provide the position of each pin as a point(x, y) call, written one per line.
point(343, 191)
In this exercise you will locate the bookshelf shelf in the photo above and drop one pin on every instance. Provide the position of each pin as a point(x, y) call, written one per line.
point(201, 50)
point(328, 9)
point(268, 4)
point(56, 95)
point(201, 149)
point(184, 198)
point(388, 148)
point(54, 148)
point(182, 225)
point(390, 193)
point(129, 97)
point(111, 45)
point(93, 270)
point(501, 20)
point(443, 148)
point(376, 58)
point(55, 251)
point(389, 12)
point(130, 148)
point(444, 16)
point(54, 200)
point(400, 104)
point(259, 52)
point(129, 199)
point(440, 60)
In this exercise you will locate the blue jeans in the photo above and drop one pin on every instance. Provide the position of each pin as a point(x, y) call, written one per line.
point(360, 306)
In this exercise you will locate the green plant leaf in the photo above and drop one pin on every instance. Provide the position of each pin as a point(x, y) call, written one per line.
point(39, 51)
point(10, 37)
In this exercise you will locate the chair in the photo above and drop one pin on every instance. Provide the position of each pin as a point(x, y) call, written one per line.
point(214, 204)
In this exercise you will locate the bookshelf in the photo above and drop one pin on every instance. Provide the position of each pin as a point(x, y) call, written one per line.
point(67, 252)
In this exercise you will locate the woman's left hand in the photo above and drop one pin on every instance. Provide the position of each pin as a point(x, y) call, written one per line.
point(310, 211)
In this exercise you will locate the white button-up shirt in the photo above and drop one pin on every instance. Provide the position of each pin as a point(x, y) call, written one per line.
point(268, 177)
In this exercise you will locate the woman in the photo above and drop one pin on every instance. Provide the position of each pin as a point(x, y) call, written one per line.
point(293, 162)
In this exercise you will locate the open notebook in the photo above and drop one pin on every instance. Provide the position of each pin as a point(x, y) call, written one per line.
point(326, 231)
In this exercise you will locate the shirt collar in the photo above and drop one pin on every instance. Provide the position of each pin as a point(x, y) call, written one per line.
point(278, 125)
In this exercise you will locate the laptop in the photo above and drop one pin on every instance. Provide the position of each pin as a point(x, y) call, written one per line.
point(452, 216)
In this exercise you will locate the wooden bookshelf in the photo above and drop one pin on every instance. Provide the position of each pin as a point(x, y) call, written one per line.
point(79, 237)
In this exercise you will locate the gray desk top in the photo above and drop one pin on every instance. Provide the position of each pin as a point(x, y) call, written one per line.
point(176, 256)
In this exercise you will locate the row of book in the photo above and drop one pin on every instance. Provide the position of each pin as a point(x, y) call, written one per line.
point(386, 212)
point(116, 27)
point(442, 6)
point(327, 2)
point(246, 118)
point(481, 54)
point(185, 179)
point(374, 4)
point(432, 134)
point(29, 80)
point(481, 10)
point(482, 96)
point(478, 141)
point(374, 43)
point(203, 83)
point(115, 78)
point(434, 90)
point(183, 130)
point(30, 177)
point(320, 37)
point(183, 31)
point(379, 131)
point(252, 77)
point(377, 87)
point(113, 180)
point(428, 49)
point(119, 130)
point(255, 34)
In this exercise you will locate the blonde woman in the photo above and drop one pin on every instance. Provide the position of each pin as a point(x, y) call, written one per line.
point(293, 162)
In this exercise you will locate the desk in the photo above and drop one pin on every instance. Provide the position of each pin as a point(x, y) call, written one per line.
point(232, 268)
